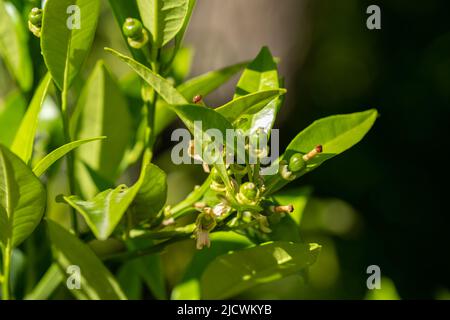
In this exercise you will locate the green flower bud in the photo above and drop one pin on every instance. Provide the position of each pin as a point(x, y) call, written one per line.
point(136, 34)
point(297, 163)
point(35, 21)
point(248, 194)
point(35, 17)
point(249, 190)
point(132, 28)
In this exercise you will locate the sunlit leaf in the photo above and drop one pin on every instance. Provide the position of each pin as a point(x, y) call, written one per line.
point(13, 45)
point(24, 140)
point(22, 199)
point(235, 272)
point(65, 45)
point(97, 283)
point(163, 18)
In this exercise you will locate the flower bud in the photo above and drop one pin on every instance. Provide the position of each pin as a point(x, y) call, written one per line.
point(132, 28)
point(35, 17)
point(35, 21)
point(248, 194)
point(136, 34)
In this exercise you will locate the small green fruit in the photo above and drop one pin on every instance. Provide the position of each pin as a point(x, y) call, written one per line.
point(297, 163)
point(35, 17)
point(249, 190)
point(132, 28)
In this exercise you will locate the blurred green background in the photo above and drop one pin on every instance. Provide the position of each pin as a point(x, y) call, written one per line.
point(381, 203)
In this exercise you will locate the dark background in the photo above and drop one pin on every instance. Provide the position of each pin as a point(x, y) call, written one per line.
point(395, 178)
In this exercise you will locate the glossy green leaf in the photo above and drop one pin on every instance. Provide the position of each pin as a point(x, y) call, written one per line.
point(163, 18)
point(180, 36)
point(24, 140)
point(158, 83)
point(57, 154)
point(152, 194)
point(249, 104)
point(221, 243)
point(201, 85)
point(65, 49)
point(97, 283)
point(103, 111)
point(336, 134)
point(261, 74)
point(22, 199)
point(12, 111)
point(106, 209)
point(233, 273)
point(13, 45)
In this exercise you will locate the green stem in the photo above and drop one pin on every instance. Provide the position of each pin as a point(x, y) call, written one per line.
point(69, 157)
point(6, 271)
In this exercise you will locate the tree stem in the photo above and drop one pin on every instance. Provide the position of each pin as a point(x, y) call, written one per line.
point(69, 157)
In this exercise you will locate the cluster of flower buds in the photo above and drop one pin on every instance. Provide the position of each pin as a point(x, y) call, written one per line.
point(35, 21)
point(297, 163)
point(136, 35)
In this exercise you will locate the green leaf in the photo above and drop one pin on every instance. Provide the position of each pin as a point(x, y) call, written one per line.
point(287, 229)
point(261, 74)
point(14, 45)
point(249, 104)
point(163, 18)
point(298, 197)
point(24, 140)
point(22, 199)
point(130, 281)
point(103, 111)
point(163, 87)
point(336, 134)
point(149, 268)
point(202, 85)
point(47, 285)
point(57, 154)
point(106, 209)
point(65, 49)
point(152, 194)
point(97, 283)
point(12, 111)
point(221, 243)
point(210, 119)
point(180, 36)
point(233, 273)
